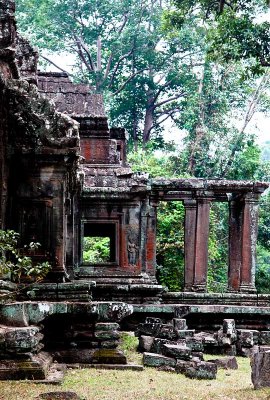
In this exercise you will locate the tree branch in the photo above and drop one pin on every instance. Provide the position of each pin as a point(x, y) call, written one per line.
point(167, 116)
point(108, 67)
point(129, 79)
point(124, 23)
point(81, 45)
point(55, 65)
point(118, 64)
point(161, 103)
point(167, 111)
point(82, 57)
point(160, 90)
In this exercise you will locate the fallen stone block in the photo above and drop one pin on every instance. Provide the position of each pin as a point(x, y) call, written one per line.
point(167, 331)
point(247, 337)
point(229, 327)
point(230, 350)
point(210, 341)
point(194, 344)
point(260, 369)
point(180, 324)
point(247, 351)
point(186, 333)
point(225, 363)
point(197, 354)
point(263, 349)
point(264, 337)
point(148, 329)
point(158, 343)
point(197, 369)
point(157, 360)
point(145, 343)
point(177, 351)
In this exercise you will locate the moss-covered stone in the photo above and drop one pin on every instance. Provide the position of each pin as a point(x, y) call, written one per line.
point(109, 356)
point(157, 360)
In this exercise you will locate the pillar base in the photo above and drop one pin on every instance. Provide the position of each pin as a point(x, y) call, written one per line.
point(196, 288)
point(247, 289)
point(232, 290)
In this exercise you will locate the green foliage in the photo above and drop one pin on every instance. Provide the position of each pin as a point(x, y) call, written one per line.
point(96, 249)
point(129, 342)
point(217, 278)
point(170, 245)
point(262, 280)
point(263, 249)
point(14, 263)
point(234, 32)
point(120, 49)
point(155, 165)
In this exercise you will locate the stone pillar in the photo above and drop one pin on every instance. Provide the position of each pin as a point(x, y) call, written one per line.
point(151, 240)
point(249, 239)
point(190, 238)
point(235, 244)
point(243, 226)
point(201, 244)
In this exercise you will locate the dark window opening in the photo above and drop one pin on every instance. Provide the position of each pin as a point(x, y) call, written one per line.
point(99, 243)
point(119, 150)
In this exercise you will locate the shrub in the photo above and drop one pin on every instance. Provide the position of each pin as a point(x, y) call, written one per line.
point(14, 264)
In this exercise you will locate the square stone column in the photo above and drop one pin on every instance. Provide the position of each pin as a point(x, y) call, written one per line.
point(196, 243)
point(249, 239)
point(189, 242)
point(201, 245)
point(243, 227)
point(235, 244)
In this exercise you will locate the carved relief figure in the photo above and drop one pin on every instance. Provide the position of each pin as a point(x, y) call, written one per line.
point(132, 251)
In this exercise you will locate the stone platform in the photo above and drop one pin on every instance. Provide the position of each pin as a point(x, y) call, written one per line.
point(205, 315)
point(243, 299)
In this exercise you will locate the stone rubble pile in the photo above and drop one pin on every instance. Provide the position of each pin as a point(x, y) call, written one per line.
point(174, 347)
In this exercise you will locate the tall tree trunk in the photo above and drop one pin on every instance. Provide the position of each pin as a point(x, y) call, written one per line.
point(199, 128)
point(150, 108)
point(135, 129)
point(148, 122)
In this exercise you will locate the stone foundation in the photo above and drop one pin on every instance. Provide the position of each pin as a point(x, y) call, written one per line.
point(69, 332)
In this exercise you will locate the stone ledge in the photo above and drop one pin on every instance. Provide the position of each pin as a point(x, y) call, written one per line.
point(122, 367)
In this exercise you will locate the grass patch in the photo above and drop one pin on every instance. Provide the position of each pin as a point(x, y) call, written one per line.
point(147, 385)
point(129, 343)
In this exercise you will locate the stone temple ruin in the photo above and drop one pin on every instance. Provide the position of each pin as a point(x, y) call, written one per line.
point(65, 178)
